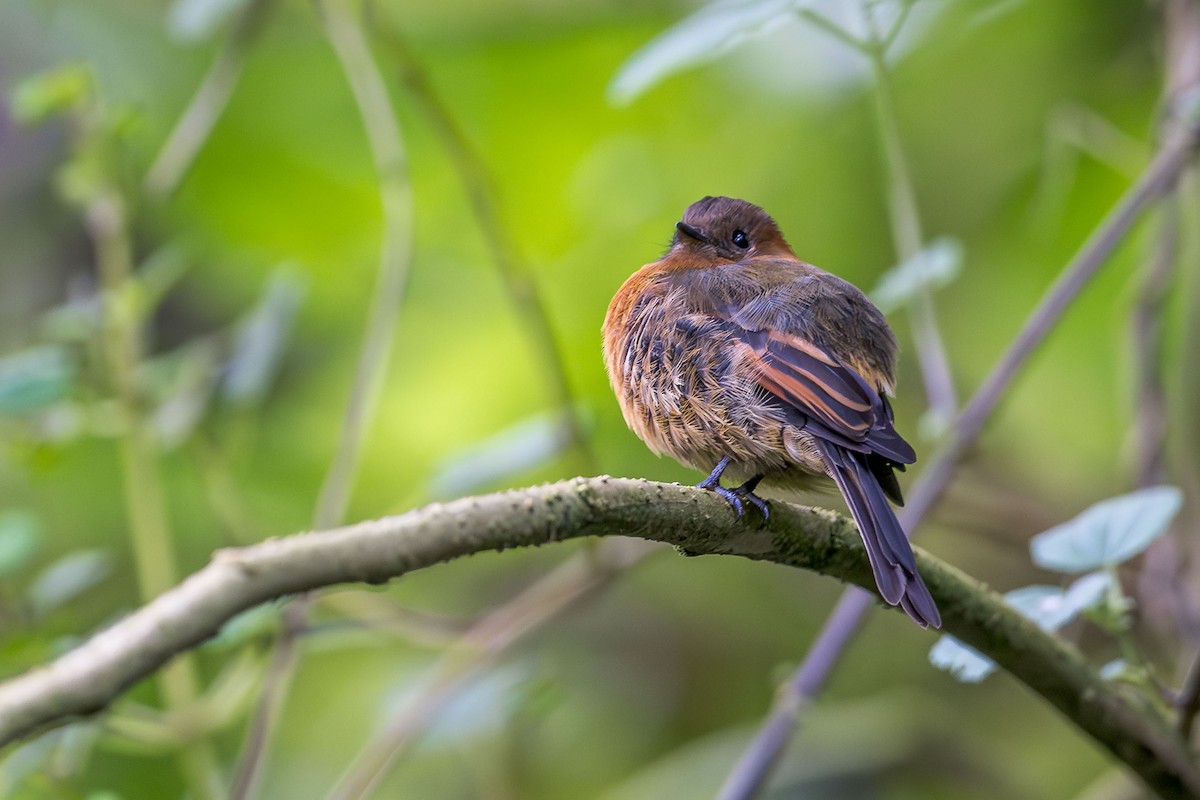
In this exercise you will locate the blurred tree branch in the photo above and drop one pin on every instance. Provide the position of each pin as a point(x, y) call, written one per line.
point(206, 106)
point(88, 678)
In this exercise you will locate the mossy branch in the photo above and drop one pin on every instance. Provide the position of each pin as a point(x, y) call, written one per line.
point(90, 677)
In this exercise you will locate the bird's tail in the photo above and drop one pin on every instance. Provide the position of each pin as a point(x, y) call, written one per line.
point(888, 549)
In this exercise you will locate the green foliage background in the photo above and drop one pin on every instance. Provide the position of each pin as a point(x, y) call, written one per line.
point(1023, 122)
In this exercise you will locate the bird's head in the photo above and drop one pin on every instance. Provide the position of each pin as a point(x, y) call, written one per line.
point(717, 229)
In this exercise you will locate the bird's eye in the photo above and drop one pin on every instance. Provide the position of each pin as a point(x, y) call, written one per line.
point(740, 239)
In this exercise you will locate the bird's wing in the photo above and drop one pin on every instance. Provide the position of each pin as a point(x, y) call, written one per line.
point(833, 400)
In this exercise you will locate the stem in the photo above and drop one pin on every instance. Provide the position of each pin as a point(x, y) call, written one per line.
point(906, 232)
point(518, 282)
point(1150, 398)
point(153, 549)
point(391, 164)
point(196, 124)
point(349, 42)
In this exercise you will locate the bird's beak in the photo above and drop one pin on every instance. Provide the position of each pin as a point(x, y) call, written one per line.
point(691, 232)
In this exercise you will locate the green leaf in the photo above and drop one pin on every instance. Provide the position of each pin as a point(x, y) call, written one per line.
point(702, 37)
point(33, 379)
point(18, 541)
point(185, 386)
point(937, 265)
point(54, 91)
point(1109, 532)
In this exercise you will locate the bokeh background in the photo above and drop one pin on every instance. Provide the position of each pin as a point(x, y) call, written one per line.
point(1022, 123)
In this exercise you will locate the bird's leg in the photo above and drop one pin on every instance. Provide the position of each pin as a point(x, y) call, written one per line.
point(746, 492)
point(713, 484)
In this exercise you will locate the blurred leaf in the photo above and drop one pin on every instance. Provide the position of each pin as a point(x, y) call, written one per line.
point(51, 92)
point(1115, 670)
point(262, 336)
point(966, 663)
point(1049, 607)
point(83, 178)
point(1088, 592)
point(186, 392)
point(157, 275)
point(702, 37)
point(33, 379)
point(485, 706)
point(1109, 532)
point(67, 578)
point(18, 540)
point(260, 622)
point(25, 760)
point(516, 449)
point(938, 264)
point(77, 320)
point(195, 20)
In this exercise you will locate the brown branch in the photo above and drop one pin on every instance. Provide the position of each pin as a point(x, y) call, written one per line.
point(86, 679)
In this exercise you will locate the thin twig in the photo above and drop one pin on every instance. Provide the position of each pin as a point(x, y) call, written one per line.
point(1150, 398)
point(515, 275)
point(346, 34)
point(194, 126)
point(1188, 702)
point(1158, 177)
point(904, 214)
point(349, 42)
point(91, 676)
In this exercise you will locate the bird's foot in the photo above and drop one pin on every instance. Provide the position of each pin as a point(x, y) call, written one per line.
point(735, 497)
point(746, 492)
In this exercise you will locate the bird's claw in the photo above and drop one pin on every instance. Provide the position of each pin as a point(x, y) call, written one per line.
point(731, 496)
point(737, 498)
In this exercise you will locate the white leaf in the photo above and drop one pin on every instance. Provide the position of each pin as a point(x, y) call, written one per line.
point(1109, 532)
point(966, 663)
point(937, 264)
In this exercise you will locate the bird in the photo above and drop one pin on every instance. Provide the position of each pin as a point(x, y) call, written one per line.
point(736, 358)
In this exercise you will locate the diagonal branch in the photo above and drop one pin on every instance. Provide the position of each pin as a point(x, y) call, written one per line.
point(88, 678)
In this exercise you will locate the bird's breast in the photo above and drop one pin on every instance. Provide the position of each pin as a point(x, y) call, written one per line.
point(684, 386)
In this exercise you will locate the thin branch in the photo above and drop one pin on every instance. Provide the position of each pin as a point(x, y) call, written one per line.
point(907, 236)
point(1150, 398)
point(194, 126)
point(515, 275)
point(349, 42)
point(87, 679)
point(1158, 177)
point(1188, 702)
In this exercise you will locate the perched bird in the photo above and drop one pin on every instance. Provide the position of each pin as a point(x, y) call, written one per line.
point(732, 355)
